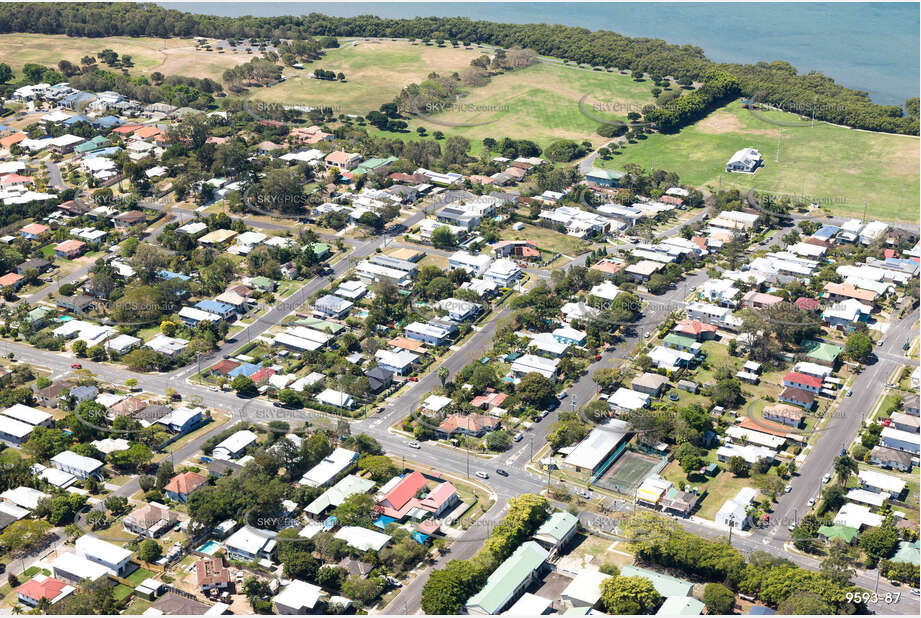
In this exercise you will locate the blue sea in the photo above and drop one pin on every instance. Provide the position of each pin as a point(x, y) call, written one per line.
point(866, 46)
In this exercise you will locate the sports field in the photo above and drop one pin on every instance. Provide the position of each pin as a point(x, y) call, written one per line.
point(148, 54)
point(628, 472)
point(837, 167)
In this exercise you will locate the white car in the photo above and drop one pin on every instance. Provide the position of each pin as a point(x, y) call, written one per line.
point(482, 474)
point(826, 478)
point(811, 501)
point(788, 489)
point(791, 527)
point(414, 444)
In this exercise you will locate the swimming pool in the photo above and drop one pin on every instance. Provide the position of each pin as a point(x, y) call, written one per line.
point(210, 547)
point(383, 521)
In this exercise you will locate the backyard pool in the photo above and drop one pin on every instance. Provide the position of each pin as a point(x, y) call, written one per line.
point(210, 547)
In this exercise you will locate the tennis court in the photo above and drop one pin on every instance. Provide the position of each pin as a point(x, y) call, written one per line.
point(628, 472)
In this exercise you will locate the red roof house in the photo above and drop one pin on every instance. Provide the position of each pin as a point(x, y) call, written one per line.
point(803, 381)
point(696, 329)
point(807, 304)
point(43, 587)
point(184, 485)
point(401, 499)
point(488, 401)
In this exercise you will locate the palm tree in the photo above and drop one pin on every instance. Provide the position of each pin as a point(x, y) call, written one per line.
point(443, 375)
point(844, 467)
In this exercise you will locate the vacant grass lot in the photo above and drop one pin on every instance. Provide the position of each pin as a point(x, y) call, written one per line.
point(168, 56)
point(838, 167)
point(375, 73)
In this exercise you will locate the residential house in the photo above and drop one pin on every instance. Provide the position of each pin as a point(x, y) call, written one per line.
point(509, 580)
point(249, 543)
point(556, 531)
point(649, 383)
point(470, 424)
point(70, 249)
point(783, 413)
point(745, 161)
point(299, 598)
point(234, 446)
point(901, 440)
point(210, 574)
point(797, 397)
point(112, 557)
point(78, 465)
point(329, 468)
point(892, 458)
point(150, 520)
point(183, 485)
point(42, 588)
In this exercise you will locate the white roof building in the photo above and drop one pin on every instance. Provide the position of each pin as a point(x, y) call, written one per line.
point(605, 291)
point(585, 588)
point(298, 597)
point(857, 516)
point(628, 399)
point(877, 481)
point(758, 438)
point(336, 398)
point(233, 446)
point(169, 346)
point(871, 498)
point(734, 512)
point(27, 414)
point(434, 403)
point(529, 363)
point(24, 497)
point(362, 538)
point(597, 446)
point(749, 452)
point(329, 468)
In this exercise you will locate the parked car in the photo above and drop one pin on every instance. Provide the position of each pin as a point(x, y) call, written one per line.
point(562, 395)
point(413, 379)
point(788, 489)
point(501, 472)
point(811, 501)
point(517, 437)
point(76, 366)
point(213, 388)
point(791, 527)
point(584, 494)
point(176, 397)
point(826, 478)
point(482, 475)
point(414, 444)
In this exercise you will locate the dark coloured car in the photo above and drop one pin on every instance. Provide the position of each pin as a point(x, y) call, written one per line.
point(501, 472)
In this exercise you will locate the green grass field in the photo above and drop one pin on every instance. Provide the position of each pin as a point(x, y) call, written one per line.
point(375, 73)
point(149, 54)
point(838, 167)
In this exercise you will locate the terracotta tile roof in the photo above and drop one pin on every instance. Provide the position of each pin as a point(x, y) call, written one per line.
point(35, 229)
point(489, 400)
point(795, 377)
point(70, 245)
point(608, 267)
point(224, 366)
point(797, 394)
point(128, 406)
point(764, 426)
point(437, 497)
point(10, 279)
point(471, 423)
point(809, 304)
point(783, 410)
point(211, 572)
point(405, 343)
point(47, 589)
point(396, 503)
point(185, 483)
point(149, 514)
point(693, 327)
point(9, 140)
point(849, 291)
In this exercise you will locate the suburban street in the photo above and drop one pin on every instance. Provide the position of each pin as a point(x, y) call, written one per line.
point(441, 460)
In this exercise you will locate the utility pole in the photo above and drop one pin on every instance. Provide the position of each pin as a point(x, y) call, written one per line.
point(467, 447)
point(732, 521)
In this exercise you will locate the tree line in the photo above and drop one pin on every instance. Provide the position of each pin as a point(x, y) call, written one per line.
point(775, 83)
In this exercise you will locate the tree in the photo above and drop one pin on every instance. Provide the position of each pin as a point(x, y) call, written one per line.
point(364, 590)
point(79, 348)
point(805, 603)
point(443, 238)
point(379, 467)
point(839, 564)
point(116, 504)
point(738, 466)
point(719, 599)
point(149, 551)
point(244, 386)
point(727, 392)
point(447, 589)
point(879, 542)
point(498, 440)
point(356, 510)
point(443, 374)
point(844, 467)
point(629, 595)
point(536, 390)
point(858, 346)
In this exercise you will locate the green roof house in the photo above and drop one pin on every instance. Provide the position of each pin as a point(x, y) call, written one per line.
point(37, 316)
point(557, 530)
point(336, 495)
point(605, 178)
point(372, 164)
point(681, 606)
point(93, 144)
point(320, 249)
point(665, 585)
point(682, 343)
point(509, 580)
point(908, 552)
point(821, 352)
point(322, 325)
point(263, 283)
point(838, 532)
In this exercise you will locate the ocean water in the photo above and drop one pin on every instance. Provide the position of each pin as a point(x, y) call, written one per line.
point(866, 46)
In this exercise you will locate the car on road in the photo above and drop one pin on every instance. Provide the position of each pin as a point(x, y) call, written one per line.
point(646, 336)
point(791, 527)
point(176, 397)
point(826, 478)
point(584, 494)
point(213, 389)
point(597, 357)
point(543, 414)
point(788, 489)
point(916, 592)
point(905, 346)
point(481, 474)
point(413, 379)
point(76, 366)
point(562, 395)
point(517, 437)
point(811, 501)
point(414, 444)
point(137, 388)
point(501, 472)
point(849, 393)
point(894, 582)
point(278, 404)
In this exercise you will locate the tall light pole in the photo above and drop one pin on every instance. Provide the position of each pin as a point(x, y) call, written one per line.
point(467, 447)
point(732, 521)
